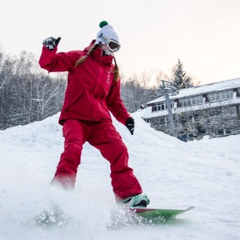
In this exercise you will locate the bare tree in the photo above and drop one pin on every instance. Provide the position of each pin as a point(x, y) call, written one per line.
point(27, 94)
point(135, 92)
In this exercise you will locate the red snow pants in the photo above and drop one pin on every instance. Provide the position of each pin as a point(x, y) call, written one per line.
point(104, 137)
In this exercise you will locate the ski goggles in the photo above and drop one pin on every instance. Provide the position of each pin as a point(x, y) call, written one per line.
point(113, 45)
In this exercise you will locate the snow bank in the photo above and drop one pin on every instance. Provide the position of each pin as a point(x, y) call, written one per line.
point(174, 174)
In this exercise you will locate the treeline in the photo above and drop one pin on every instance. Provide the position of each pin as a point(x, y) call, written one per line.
point(28, 93)
point(136, 91)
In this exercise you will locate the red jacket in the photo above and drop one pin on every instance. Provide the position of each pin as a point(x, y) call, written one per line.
point(91, 90)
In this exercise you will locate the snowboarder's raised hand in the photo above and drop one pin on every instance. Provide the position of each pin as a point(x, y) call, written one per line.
point(51, 42)
point(130, 125)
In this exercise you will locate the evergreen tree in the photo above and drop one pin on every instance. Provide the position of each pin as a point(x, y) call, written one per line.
point(180, 78)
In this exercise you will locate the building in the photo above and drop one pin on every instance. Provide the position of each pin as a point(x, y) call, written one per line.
point(210, 109)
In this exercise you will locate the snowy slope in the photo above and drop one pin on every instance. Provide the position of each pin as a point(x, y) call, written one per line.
point(173, 174)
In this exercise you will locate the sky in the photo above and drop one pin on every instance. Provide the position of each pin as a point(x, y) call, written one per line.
point(154, 34)
point(173, 174)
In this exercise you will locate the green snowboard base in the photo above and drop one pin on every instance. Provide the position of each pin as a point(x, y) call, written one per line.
point(157, 214)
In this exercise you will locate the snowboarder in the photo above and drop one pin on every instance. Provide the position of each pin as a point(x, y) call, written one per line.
point(93, 90)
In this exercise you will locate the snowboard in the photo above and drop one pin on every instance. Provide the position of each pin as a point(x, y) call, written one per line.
point(155, 214)
point(127, 216)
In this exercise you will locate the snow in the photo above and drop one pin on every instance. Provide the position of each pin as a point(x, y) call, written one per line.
point(174, 174)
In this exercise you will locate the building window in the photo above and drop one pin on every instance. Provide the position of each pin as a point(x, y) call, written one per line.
point(191, 101)
point(160, 106)
point(218, 96)
point(238, 92)
point(229, 111)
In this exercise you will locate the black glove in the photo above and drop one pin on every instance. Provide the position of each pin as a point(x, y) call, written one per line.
point(51, 42)
point(130, 125)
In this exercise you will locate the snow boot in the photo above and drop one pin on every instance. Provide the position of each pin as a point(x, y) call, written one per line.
point(140, 200)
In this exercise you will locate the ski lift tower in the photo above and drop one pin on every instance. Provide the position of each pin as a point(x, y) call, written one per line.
point(169, 88)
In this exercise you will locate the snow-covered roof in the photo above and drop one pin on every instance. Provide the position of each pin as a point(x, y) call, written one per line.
point(201, 89)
